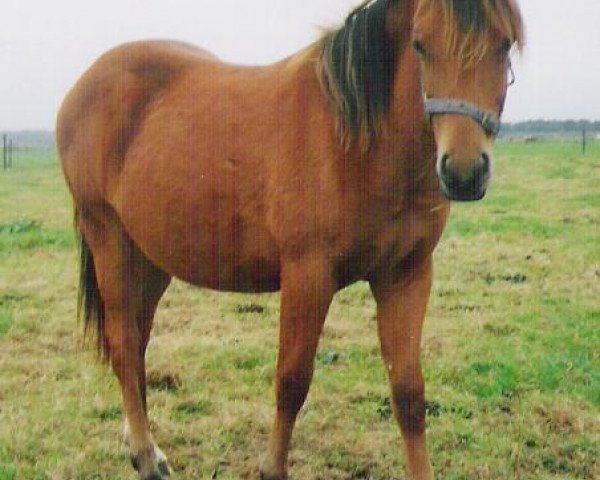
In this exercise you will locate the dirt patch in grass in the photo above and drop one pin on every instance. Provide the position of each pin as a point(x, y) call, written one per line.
point(164, 381)
point(250, 308)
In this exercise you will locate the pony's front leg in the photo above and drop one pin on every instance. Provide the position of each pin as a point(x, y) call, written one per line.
point(401, 309)
point(306, 292)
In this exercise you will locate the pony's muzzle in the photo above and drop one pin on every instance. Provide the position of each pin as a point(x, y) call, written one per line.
point(464, 184)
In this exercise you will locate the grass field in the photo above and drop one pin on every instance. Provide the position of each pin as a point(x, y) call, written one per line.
point(511, 349)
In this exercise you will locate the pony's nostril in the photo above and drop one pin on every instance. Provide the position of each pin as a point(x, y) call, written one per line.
point(485, 166)
point(444, 164)
point(485, 161)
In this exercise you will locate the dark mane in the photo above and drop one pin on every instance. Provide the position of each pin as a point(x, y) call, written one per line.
point(356, 68)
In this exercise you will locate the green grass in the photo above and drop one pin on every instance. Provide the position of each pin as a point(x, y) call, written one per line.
point(511, 348)
point(6, 321)
point(27, 234)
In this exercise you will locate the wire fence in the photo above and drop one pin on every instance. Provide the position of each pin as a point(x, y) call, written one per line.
point(25, 155)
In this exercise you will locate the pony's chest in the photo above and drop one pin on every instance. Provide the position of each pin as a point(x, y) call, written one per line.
point(408, 231)
point(401, 239)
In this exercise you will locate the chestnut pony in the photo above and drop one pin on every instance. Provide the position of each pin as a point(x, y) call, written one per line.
point(332, 166)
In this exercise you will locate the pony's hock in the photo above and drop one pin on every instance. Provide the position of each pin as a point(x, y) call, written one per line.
point(337, 178)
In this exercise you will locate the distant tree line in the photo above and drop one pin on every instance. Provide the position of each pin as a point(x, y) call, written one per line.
point(550, 128)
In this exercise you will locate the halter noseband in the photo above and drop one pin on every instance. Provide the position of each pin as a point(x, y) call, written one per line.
point(489, 121)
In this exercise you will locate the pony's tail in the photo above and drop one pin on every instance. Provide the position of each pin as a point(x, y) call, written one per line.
point(90, 306)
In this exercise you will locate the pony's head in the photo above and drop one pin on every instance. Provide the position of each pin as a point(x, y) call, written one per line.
point(464, 47)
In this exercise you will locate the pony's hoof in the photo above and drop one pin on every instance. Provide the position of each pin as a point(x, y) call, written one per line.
point(159, 475)
point(135, 463)
point(164, 468)
point(265, 476)
point(152, 465)
point(270, 470)
point(154, 476)
point(163, 464)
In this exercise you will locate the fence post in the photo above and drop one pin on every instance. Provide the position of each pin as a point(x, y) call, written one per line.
point(10, 153)
point(4, 152)
point(584, 141)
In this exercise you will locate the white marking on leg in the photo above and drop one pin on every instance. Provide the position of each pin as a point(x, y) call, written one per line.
point(126, 432)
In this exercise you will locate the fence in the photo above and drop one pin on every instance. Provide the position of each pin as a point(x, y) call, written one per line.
point(7, 152)
point(23, 149)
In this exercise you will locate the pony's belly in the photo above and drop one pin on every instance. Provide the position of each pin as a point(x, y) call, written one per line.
point(230, 258)
point(250, 275)
point(240, 259)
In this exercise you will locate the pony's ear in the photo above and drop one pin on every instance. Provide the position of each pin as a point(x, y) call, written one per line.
point(397, 21)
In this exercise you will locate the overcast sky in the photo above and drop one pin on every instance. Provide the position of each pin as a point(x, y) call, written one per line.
point(46, 44)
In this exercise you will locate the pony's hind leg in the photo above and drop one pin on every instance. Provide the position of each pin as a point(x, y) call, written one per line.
point(130, 288)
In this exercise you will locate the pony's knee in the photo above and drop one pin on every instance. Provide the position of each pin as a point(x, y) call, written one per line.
point(292, 390)
point(123, 339)
point(122, 360)
point(409, 403)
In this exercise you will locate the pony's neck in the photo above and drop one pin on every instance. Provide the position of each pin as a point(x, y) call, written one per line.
point(402, 160)
point(407, 132)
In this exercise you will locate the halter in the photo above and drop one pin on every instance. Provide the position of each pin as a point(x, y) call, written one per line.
point(489, 121)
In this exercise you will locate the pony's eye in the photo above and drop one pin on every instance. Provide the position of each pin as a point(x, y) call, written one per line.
point(419, 47)
point(506, 46)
